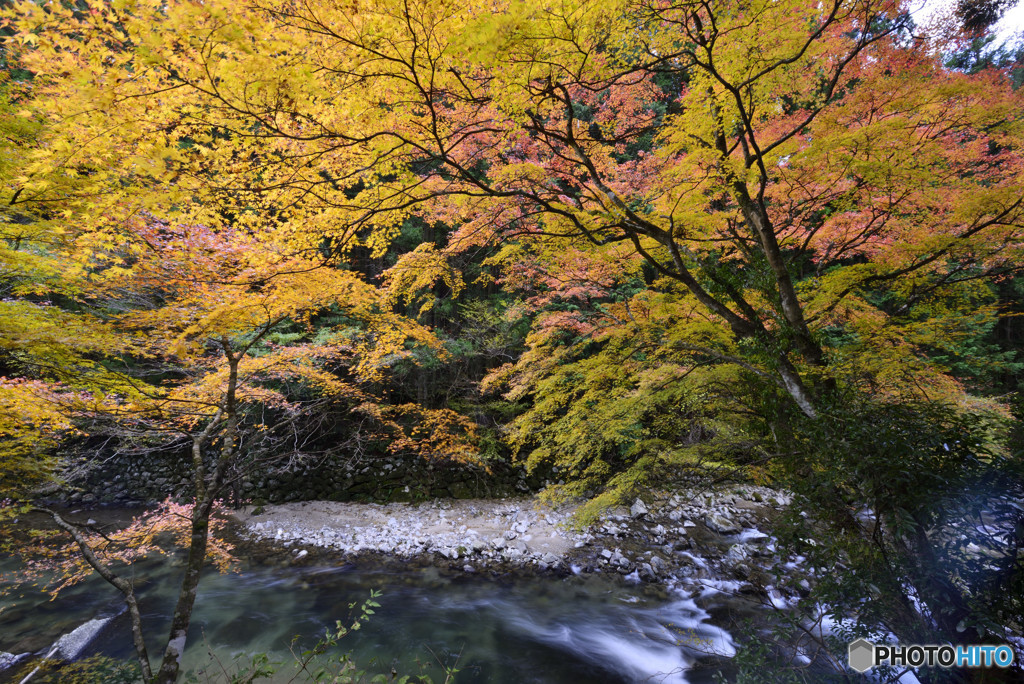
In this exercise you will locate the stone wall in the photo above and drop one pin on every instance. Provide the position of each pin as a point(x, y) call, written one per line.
point(130, 481)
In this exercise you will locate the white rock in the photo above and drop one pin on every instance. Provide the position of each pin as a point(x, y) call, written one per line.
point(737, 552)
point(73, 644)
point(9, 660)
point(721, 524)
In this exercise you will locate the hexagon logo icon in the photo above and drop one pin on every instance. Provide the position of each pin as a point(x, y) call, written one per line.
point(862, 655)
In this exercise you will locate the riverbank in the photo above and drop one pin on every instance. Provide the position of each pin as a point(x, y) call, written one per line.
point(689, 559)
point(691, 540)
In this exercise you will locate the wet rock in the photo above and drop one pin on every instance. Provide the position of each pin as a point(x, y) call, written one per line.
point(73, 645)
point(9, 660)
point(741, 571)
point(638, 509)
point(721, 524)
point(756, 537)
point(737, 553)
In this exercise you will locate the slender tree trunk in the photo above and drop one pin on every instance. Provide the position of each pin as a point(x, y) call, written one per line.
point(207, 489)
point(171, 664)
point(796, 388)
point(125, 587)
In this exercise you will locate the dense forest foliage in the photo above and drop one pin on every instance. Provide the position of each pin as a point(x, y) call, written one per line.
point(613, 242)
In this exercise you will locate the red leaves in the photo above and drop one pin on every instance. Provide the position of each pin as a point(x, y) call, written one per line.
point(160, 530)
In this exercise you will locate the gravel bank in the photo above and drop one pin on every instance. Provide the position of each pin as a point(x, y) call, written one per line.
point(686, 539)
point(473, 530)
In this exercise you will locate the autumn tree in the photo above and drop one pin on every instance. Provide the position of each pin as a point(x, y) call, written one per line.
point(808, 223)
point(147, 290)
point(808, 196)
point(199, 304)
point(767, 177)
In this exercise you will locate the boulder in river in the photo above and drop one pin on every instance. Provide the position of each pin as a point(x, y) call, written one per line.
point(721, 524)
point(73, 645)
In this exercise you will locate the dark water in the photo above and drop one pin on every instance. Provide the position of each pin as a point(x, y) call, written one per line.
point(575, 629)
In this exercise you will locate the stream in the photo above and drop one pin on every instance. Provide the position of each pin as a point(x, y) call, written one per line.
point(585, 628)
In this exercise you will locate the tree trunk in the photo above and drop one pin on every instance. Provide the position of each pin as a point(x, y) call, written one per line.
point(169, 667)
point(125, 587)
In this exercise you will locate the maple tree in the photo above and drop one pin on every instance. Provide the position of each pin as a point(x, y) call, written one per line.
point(769, 178)
point(201, 303)
point(168, 292)
point(792, 191)
point(36, 338)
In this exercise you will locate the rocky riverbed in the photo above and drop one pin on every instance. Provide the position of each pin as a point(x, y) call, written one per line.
point(682, 547)
point(692, 539)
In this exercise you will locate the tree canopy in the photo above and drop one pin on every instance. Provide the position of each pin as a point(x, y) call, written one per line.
point(667, 222)
point(774, 181)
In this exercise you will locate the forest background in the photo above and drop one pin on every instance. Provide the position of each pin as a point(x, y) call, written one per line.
point(613, 242)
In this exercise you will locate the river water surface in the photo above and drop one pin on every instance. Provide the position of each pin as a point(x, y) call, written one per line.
point(594, 628)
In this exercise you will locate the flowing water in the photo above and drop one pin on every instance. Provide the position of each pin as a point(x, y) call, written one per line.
point(577, 629)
